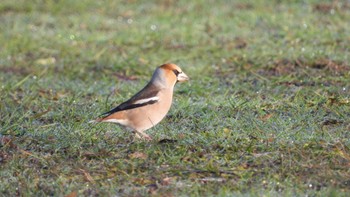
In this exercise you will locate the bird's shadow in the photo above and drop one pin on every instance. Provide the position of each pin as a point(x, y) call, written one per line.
point(162, 141)
point(167, 141)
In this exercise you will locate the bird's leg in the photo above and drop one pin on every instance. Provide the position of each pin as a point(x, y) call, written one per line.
point(137, 136)
point(140, 134)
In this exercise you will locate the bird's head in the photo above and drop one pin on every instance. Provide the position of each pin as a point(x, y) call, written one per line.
point(167, 75)
point(174, 73)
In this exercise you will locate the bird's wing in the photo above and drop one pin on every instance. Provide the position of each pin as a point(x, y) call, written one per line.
point(147, 96)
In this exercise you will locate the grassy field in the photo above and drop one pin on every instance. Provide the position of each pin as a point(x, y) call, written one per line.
point(266, 113)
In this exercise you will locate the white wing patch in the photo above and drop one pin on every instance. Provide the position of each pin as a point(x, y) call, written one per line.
point(142, 101)
point(119, 121)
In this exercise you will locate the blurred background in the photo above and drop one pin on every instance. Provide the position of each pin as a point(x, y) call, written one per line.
point(99, 37)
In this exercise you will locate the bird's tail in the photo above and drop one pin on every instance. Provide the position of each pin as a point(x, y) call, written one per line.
point(96, 120)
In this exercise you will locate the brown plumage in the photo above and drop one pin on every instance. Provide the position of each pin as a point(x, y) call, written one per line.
point(149, 106)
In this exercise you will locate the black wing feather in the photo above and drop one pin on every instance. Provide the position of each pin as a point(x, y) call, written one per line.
point(152, 91)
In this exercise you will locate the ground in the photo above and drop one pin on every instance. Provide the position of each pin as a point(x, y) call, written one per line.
point(266, 113)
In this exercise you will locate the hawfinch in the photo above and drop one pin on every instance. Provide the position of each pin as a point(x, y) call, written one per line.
point(149, 106)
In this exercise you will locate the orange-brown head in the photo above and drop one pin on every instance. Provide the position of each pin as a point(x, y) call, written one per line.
point(168, 74)
point(174, 72)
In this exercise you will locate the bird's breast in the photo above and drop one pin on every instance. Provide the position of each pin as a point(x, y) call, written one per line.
point(150, 115)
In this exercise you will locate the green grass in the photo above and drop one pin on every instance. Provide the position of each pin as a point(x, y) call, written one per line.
point(266, 113)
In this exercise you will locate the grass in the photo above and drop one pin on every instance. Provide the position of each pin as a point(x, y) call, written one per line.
point(266, 113)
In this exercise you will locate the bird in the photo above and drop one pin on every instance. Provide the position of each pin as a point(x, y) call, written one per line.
point(150, 105)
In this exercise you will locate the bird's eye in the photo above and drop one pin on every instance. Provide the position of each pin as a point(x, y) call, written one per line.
point(176, 72)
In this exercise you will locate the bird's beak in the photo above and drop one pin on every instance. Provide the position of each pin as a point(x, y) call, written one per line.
point(181, 77)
